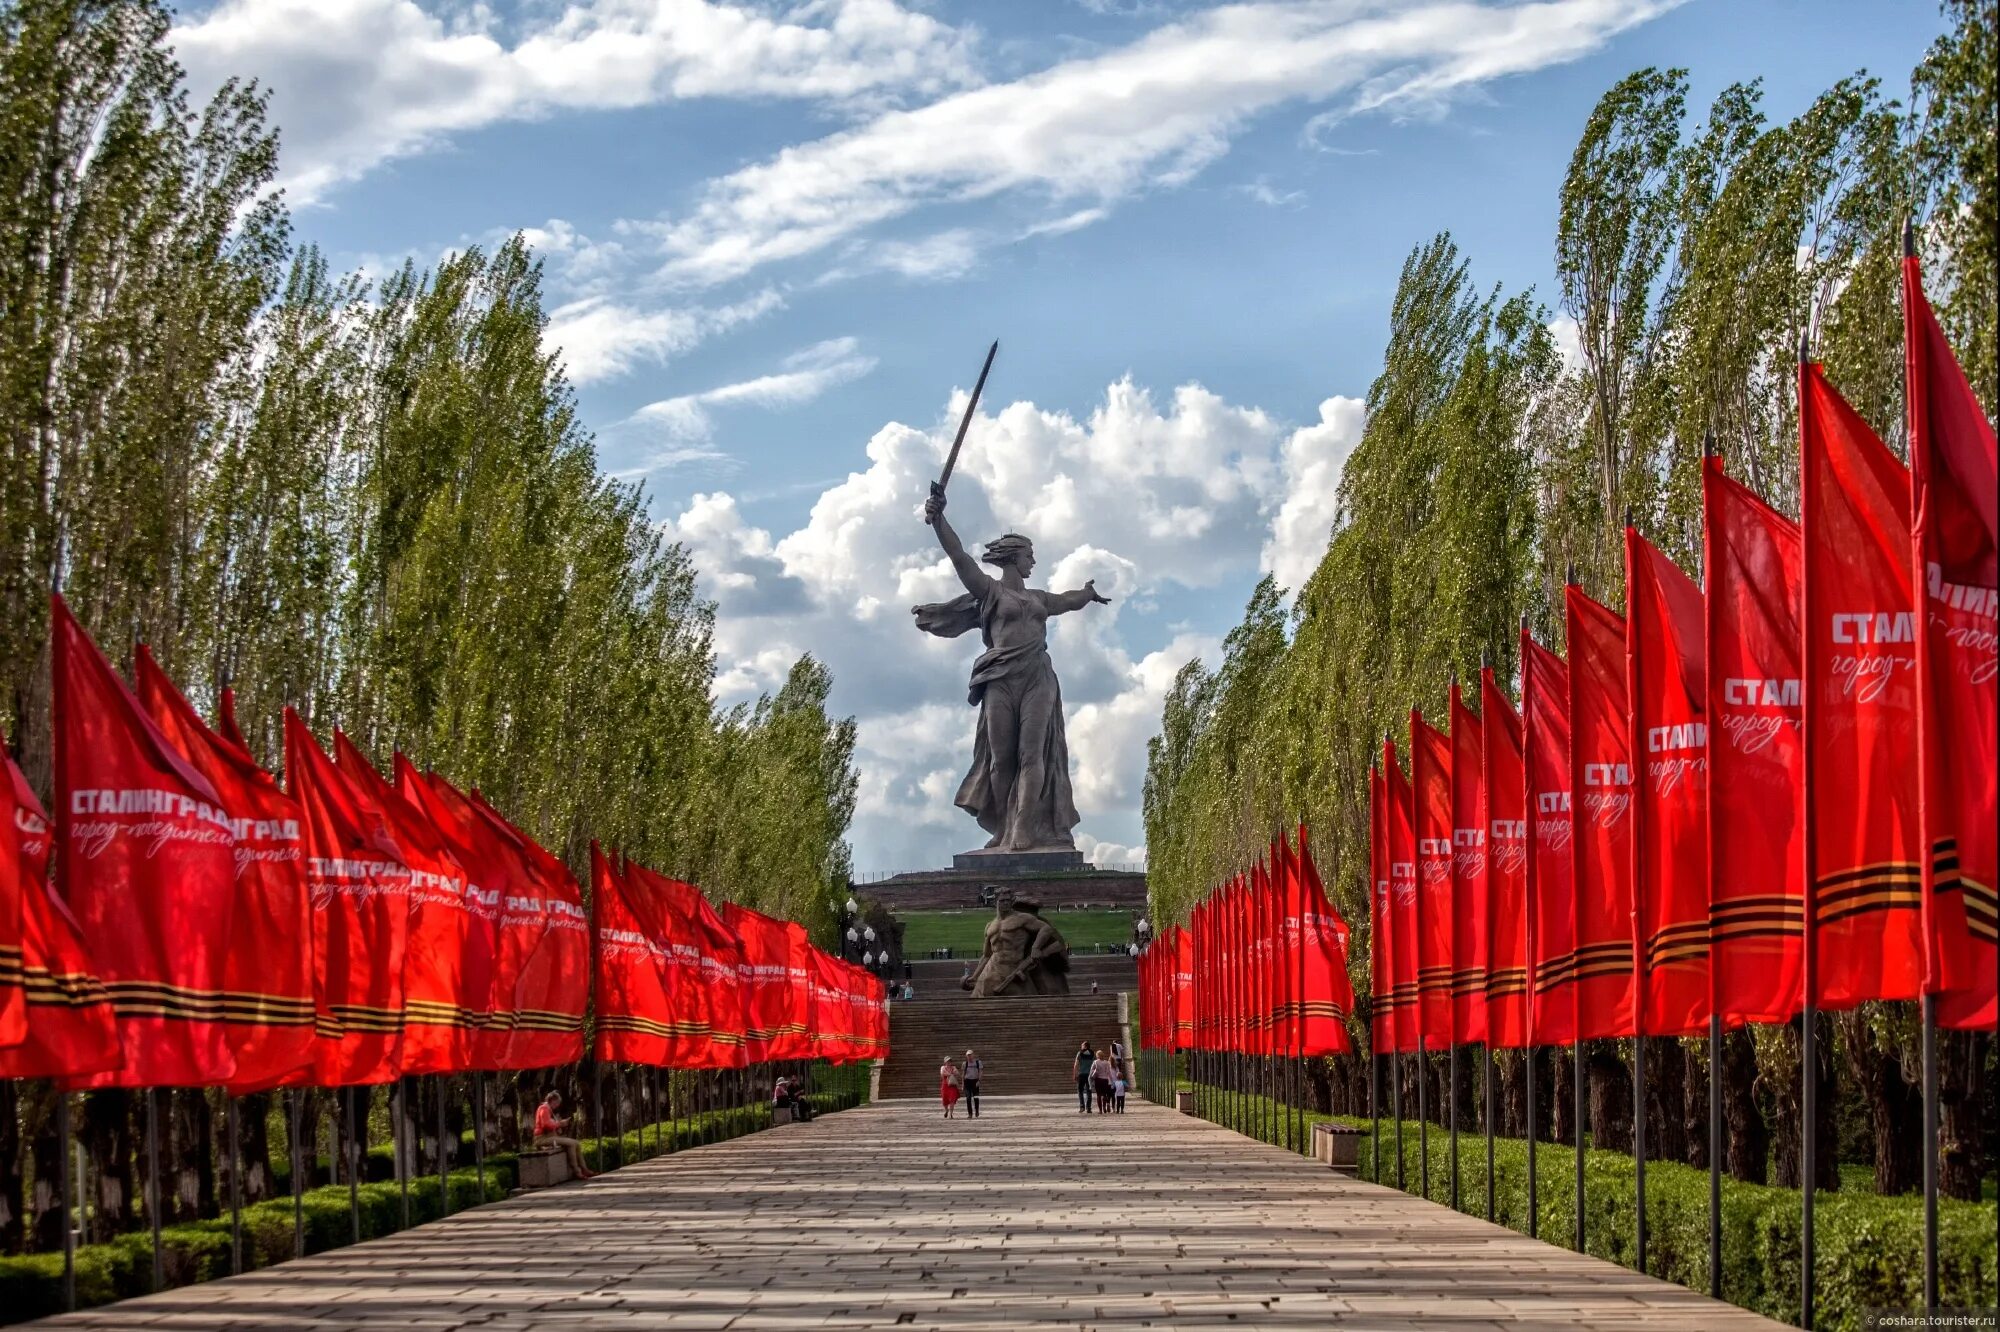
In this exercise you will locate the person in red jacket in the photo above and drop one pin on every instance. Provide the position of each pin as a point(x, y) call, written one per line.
point(553, 1132)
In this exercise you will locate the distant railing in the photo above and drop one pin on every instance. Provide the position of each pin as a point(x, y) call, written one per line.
point(878, 876)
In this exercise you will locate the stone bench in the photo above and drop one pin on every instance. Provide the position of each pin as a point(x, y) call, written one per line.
point(781, 1114)
point(1337, 1146)
point(541, 1167)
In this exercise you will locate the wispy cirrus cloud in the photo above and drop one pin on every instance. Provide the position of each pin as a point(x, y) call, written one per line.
point(601, 338)
point(686, 422)
point(1091, 131)
point(356, 83)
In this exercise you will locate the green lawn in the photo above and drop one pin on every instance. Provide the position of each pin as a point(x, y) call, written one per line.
point(962, 931)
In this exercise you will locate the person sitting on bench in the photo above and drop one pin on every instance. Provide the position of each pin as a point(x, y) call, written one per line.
point(553, 1132)
point(786, 1092)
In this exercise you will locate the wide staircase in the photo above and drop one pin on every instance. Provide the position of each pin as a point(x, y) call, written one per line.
point(1026, 1044)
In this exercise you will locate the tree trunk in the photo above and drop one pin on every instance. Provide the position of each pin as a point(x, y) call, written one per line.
point(109, 1141)
point(11, 1173)
point(1694, 1102)
point(1894, 1102)
point(1781, 1075)
point(1961, 1082)
point(49, 1146)
point(253, 1114)
point(1666, 1095)
point(1610, 1087)
point(1561, 1098)
point(1747, 1152)
point(189, 1131)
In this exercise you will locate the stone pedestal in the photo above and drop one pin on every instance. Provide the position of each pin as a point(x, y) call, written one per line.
point(1053, 861)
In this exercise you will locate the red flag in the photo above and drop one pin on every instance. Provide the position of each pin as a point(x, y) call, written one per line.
point(766, 948)
point(448, 954)
point(71, 1029)
point(1954, 481)
point(1667, 679)
point(1327, 989)
point(148, 867)
point(1601, 768)
point(1756, 755)
point(13, 987)
point(722, 978)
point(1430, 780)
point(1551, 878)
point(552, 980)
point(1183, 988)
point(633, 1007)
point(1860, 706)
point(268, 971)
point(832, 1027)
point(665, 907)
point(1381, 972)
point(359, 886)
point(1504, 817)
point(1468, 874)
point(1402, 858)
point(506, 919)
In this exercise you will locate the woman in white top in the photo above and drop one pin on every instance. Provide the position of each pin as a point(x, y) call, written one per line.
point(1102, 1075)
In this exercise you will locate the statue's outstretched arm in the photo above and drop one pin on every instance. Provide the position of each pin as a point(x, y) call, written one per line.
point(1062, 603)
point(969, 572)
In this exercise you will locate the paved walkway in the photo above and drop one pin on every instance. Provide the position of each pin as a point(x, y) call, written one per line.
point(887, 1216)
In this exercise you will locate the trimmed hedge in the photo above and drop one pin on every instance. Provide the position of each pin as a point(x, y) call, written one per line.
point(31, 1286)
point(1869, 1248)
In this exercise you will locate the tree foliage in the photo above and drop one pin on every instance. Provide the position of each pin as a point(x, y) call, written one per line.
point(374, 503)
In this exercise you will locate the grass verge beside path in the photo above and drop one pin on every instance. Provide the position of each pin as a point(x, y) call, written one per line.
point(1869, 1248)
point(31, 1286)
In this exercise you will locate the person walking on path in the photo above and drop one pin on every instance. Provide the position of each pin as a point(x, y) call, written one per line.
point(551, 1131)
point(973, 1068)
point(948, 1083)
point(1082, 1064)
point(1101, 1077)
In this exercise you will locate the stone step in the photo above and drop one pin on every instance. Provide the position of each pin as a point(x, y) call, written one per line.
point(1027, 1044)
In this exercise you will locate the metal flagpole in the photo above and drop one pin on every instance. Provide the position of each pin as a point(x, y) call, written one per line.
point(68, 1214)
point(354, 1165)
point(1375, 1105)
point(618, 1111)
point(1639, 1130)
point(296, 1096)
point(235, 1185)
point(1423, 1120)
point(1930, 1150)
point(153, 1201)
point(400, 1105)
point(479, 1131)
point(445, 1146)
point(1715, 1155)
point(1451, 1118)
point(1396, 1108)
point(1489, 1129)
point(1576, 1132)
point(1534, 1076)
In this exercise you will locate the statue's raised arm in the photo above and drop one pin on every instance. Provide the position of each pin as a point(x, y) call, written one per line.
point(969, 573)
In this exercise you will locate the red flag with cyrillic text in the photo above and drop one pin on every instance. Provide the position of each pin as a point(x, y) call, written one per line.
point(552, 983)
point(1430, 781)
point(267, 1004)
point(147, 862)
point(71, 1029)
point(359, 886)
point(1468, 874)
point(1954, 532)
point(1503, 816)
point(1551, 875)
point(1860, 706)
point(1327, 990)
point(1402, 858)
point(1601, 772)
point(1756, 754)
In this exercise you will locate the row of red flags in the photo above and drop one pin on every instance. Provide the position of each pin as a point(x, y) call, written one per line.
point(1260, 968)
point(204, 926)
point(1629, 852)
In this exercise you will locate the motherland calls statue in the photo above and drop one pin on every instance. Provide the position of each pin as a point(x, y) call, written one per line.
point(1018, 787)
point(1023, 954)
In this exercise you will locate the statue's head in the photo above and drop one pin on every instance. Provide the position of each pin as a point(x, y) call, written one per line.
point(1012, 551)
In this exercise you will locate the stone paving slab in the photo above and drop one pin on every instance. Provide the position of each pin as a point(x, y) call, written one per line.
point(892, 1217)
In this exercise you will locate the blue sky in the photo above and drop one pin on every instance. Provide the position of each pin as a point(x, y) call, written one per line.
point(779, 236)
